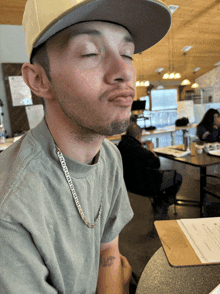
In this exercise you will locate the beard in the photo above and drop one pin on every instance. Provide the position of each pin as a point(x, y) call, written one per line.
point(116, 127)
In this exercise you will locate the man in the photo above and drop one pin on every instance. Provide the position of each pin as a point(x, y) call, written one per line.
point(141, 170)
point(63, 198)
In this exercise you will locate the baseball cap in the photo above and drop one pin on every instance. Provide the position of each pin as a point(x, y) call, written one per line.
point(148, 21)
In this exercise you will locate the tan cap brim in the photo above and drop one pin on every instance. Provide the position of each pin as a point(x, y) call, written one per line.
point(148, 21)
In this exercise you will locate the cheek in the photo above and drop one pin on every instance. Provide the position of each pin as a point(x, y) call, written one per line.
point(88, 86)
point(83, 85)
point(93, 81)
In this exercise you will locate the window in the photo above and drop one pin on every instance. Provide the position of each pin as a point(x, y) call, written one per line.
point(164, 99)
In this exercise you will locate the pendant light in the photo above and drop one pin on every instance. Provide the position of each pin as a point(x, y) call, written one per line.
point(185, 82)
point(171, 74)
point(141, 82)
point(195, 85)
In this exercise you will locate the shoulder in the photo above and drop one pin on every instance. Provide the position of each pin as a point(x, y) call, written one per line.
point(15, 158)
point(201, 130)
point(18, 169)
point(110, 150)
point(111, 162)
point(201, 127)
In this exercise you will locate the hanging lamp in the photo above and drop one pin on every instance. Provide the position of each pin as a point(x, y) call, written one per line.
point(185, 82)
point(141, 82)
point(195, 85)
point(171, 74)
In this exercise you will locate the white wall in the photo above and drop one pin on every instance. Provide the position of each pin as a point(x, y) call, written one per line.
point(211, 79)
point(12, 50)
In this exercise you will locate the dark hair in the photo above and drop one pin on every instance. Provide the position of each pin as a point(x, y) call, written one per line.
point(40, 56)
point(133, 130)
point(208, 119)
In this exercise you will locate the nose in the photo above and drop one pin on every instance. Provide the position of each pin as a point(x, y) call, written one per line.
point(119, 69)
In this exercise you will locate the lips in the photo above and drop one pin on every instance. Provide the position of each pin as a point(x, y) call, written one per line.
point(122, 97)
point(123, 101)
point(121, 94)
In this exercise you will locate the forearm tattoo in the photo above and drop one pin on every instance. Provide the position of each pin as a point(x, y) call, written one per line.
point(106, 261)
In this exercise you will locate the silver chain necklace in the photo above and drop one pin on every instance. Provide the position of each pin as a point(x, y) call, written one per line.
point(69, 181)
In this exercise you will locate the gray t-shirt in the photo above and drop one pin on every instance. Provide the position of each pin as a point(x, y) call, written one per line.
point(45, 247)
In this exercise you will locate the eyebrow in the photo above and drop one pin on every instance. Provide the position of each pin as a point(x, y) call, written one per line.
point(75, 33)
point(129, 39)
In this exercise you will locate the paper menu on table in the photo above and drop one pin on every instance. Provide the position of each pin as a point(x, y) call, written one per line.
point(174, 151)
point(204, 237)
point(216, 290)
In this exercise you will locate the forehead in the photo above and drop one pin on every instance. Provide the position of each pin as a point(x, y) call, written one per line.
point(94, 28)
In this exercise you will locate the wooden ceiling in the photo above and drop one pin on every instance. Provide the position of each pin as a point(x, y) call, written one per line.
point(195, 23)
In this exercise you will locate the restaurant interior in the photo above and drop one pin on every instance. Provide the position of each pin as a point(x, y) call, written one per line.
point(178, 77)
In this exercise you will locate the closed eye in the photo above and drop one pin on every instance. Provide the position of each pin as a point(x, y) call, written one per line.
point(90, 55)
point(127, 56)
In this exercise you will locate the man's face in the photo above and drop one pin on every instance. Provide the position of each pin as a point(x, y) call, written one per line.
point(93, 76)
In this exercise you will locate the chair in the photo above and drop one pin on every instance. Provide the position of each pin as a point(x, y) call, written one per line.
point(212, 189)
point(141, 205)
point(146, 201)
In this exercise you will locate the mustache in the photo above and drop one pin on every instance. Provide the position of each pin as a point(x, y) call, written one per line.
point(118, 91)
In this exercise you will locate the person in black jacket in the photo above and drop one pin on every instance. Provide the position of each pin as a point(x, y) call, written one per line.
point(209, 127)
point(141, 170)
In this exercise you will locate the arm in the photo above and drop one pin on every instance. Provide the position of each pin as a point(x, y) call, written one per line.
point(148, 157)
point(205, 135)
point(114, 270)
point(213, 136)
point(22, 268)
point(150, 146)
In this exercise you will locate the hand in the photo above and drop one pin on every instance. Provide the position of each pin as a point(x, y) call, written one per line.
point(150, 145)
point(126, 273)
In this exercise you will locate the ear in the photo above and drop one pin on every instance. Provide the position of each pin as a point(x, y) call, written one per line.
point(37, 80)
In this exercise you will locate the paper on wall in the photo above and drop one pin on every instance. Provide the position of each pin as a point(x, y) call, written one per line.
point(35, 114)
point(186, 109)
point(20, 92)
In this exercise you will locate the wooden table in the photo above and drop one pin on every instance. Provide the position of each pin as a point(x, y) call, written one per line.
point(159, 277)
point(202, 161)
point(8, 142)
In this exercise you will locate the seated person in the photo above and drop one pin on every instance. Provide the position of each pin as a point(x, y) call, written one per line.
point(141, 170)
point(208, 129)
point(133, 119)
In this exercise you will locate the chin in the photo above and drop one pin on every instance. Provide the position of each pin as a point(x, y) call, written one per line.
point(115, 128)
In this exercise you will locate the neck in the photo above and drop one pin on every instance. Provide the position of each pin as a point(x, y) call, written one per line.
point(77, 145)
